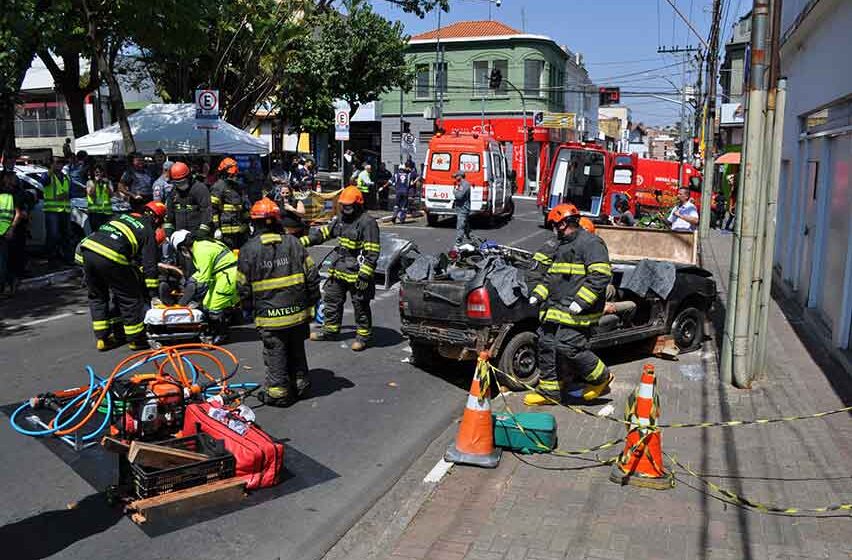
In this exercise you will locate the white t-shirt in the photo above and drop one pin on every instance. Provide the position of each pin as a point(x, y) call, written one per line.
point(678, 224)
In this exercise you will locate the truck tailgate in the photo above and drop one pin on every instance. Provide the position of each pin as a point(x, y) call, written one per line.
point(444, 299)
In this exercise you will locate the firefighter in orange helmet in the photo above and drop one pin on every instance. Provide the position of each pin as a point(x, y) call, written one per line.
point(353, 265)
point(280, 282)
point(230, 222)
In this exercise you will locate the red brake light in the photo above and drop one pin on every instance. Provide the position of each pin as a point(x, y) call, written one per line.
point(485, 191)
point(479, 304)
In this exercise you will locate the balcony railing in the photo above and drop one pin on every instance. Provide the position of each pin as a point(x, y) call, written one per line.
point(42, 128)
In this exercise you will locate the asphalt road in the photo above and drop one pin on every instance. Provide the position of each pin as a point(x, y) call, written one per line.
point(369, 416)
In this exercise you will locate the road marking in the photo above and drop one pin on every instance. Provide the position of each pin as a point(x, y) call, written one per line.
point(518, 241)
point(46, 319)
point(438, 471)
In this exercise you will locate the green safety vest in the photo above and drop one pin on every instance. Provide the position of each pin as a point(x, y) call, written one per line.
point(57, 196)
point(7, 212)
point(100, 203)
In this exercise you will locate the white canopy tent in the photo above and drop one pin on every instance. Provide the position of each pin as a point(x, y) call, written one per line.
point(172, 128)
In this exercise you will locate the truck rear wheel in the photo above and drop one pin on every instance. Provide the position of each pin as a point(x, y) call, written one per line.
point(688, 329)
point(422, 355)
point(519, 358)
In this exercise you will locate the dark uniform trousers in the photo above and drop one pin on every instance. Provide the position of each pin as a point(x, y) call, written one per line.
point(334, 297)
point(284, 355)
point(128, 296)
point(570, 345)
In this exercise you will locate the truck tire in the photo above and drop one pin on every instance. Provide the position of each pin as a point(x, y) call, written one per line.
point(509, 210)
point(422, 355)
point(688, 329)
point(431, 220)
point(520, 358)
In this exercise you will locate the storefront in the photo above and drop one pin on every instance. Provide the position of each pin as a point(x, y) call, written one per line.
point(510, 133)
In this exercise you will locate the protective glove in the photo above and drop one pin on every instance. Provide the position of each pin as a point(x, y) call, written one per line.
point(362, 283)
point(217, 234)
point(156, 302)
point(534, 301)
point(574, 308)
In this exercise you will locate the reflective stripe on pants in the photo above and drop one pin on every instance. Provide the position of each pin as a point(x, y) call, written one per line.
point(559, 345)
point(334, 297)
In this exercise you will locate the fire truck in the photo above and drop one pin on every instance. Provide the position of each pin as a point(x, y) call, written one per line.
point(594, 179)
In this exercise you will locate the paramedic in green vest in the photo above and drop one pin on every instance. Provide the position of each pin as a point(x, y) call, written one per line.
point(11, 216)
point(57, 213)
point(99, 193)
point(213, 285)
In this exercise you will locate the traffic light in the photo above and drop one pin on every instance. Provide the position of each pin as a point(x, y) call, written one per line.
point(609, 96)
point(530, 132)
point(495, 79)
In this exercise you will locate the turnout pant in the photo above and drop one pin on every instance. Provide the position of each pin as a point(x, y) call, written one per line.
point(567, 345)
point(284, 356)
point(462, 226)
point(334, 296)
point(103, 277)
point(400, 208)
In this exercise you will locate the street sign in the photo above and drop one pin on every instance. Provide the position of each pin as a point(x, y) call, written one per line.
point(207, 104)
point(341, 125)
point(538, 118)
point(409, 145)
point(559, 120)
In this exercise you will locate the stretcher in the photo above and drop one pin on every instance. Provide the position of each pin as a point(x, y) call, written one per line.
point(176, 323)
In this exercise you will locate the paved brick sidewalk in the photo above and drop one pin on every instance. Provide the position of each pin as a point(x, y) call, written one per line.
point(548, 508)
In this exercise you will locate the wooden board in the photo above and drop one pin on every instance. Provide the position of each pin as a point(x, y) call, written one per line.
point(184, 502)
point(637, 243)
point(160, 456)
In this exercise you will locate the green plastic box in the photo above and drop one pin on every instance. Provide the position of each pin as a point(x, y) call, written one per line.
point(538, 435)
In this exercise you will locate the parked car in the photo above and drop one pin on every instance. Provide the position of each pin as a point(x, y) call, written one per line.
point(457, 319)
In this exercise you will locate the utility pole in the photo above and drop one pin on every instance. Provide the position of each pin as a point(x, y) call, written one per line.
point(401, 125)
point(685, 51)
point(736, 360)
point(709, 126)
point(439, 93)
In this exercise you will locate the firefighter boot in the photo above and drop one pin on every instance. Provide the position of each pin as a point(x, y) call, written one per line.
point(548, 393)
point(322, 336)
point(276, 396)
point(104, 344)
point(359, 344)
point(303, 384)
point(591, 392)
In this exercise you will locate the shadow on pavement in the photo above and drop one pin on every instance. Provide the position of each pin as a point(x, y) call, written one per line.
point(37, 303)
point(324, 383)
point(49, 532)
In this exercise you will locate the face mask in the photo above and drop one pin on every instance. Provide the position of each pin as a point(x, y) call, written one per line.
point(182, 185)
point(347, 209)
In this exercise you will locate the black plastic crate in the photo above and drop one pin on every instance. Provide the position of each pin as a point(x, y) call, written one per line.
point(148, 482)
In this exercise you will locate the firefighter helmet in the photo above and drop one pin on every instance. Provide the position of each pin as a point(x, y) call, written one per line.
point(587, 224)
point(228, 166)
point(179, 171)
point(562, 212)
point(351, 195)
point(265, 209)
point(180, 237)
point(160, 236)
point(157, 209)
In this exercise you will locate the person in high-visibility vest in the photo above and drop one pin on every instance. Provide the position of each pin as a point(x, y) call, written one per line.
point(213, 285)
point(11, 215)
point(57, 213)
point(366, 185)
point(99, 191)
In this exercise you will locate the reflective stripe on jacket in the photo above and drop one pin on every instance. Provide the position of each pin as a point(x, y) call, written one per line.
point(99, 203)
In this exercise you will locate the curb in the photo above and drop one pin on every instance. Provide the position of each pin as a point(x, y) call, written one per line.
point(416, 214)
point(49, 279)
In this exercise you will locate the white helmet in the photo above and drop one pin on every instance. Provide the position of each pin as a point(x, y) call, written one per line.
point(178, 238)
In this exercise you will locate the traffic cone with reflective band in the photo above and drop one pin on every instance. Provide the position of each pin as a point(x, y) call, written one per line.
point(475, 439)
point(641, 462)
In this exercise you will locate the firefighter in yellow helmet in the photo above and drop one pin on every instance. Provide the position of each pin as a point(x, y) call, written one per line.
point(572, 296)
point(352, 268)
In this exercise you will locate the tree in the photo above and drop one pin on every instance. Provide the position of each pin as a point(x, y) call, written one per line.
point(20, 35)
point(417, 7)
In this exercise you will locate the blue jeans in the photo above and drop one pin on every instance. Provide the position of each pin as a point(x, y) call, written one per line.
point(57, 226)
point(462, 226)
point(400, 208)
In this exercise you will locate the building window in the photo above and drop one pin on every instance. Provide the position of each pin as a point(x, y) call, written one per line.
point(440, 77)
point(503, 67)
point(421, 90)
point(533, 70)
point(480, 77)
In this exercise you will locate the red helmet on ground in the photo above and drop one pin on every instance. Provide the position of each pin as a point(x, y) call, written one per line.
point(351, 195)
point(562, 212)
point(265, 209)
point(229, 166)
point(179, 170)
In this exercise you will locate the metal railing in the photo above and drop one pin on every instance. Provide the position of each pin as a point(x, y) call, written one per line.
point(42, 128)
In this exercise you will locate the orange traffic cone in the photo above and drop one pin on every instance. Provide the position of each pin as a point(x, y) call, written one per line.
point(641, 463)
point(475, 440)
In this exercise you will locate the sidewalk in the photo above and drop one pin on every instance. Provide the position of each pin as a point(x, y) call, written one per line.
point(547, 508)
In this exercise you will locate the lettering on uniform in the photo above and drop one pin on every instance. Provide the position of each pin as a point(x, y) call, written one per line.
point(280, 261)
point(282, 311)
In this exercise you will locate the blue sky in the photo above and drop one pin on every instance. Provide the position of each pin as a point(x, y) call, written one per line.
point(616, 37)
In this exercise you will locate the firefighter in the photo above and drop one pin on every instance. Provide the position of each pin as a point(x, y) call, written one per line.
point(351, 269)
point(110, 258)
point(280, 282)
point(189, 206)
point(213, 285)
point(226, 199)
point(572, 297)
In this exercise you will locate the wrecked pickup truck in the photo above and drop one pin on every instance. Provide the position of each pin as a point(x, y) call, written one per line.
point(478, 301)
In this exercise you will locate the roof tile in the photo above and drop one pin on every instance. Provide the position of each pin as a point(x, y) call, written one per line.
point(487, 28)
